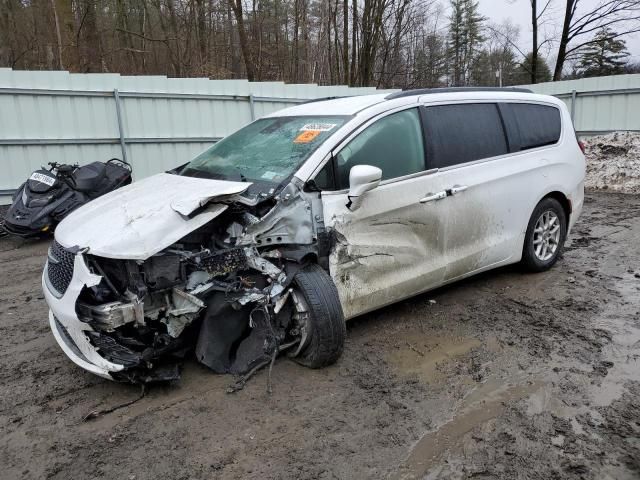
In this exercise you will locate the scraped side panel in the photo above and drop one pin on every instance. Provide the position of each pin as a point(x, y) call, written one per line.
point(389, 249)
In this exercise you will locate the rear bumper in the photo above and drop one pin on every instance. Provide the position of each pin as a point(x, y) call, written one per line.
point(577, 203)
point(67, 328)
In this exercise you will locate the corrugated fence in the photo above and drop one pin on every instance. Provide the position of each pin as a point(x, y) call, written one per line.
point(154, 122)
point(157, 123)
point(599, 105)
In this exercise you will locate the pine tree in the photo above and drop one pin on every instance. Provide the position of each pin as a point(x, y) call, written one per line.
point(465, 38)
point(606, 55)
point(543, 73)
point(473, 27)
point(488, 65)
point(456, 40)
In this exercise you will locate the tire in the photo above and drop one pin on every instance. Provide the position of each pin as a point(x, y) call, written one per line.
point(531, 260)
point(327, 326)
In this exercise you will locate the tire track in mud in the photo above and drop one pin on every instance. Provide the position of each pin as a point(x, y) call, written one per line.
point(555, 438)
point(493, 376)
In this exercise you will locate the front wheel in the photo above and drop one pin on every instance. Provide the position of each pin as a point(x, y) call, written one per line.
point(545, 237)
point(325, 330)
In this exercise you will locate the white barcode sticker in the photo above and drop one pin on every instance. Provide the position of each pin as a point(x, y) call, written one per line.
point(39, 177)
point(317, 127)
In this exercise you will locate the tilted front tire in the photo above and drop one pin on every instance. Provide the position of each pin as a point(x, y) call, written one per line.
point(545, 237)
point(327, 329)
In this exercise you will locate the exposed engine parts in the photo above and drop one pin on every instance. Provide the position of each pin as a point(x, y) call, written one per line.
point(223, 262)
point(225, 291)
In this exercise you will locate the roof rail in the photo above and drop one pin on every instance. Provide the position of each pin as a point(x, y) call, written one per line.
point(322, 99)
point(427, 91)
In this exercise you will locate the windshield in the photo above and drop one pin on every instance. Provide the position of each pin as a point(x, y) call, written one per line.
point(268, 150)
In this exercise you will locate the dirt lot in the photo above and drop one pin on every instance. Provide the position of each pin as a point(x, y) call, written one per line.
point(506, 375)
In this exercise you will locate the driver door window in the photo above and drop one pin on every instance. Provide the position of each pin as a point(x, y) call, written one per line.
point(394, 144)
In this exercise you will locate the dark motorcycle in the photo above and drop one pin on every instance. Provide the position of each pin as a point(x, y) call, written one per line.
point(51, 194)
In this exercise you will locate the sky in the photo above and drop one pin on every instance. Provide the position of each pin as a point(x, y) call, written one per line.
point(520, 13)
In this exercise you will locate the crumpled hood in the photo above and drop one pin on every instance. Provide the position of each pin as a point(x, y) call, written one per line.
point(139, 220)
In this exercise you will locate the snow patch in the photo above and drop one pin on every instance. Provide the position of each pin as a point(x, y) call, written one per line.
point(613, 162)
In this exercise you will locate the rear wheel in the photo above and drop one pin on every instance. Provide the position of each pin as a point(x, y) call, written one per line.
point(323, 325)
point(545, 237)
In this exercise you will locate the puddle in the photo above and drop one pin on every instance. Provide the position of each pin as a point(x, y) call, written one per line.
point(623, 322)
point(543, 400)
point(493, 345)
point(481, 405)
point(421, 355)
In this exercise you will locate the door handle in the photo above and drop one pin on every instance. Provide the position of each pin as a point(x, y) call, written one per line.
point(433, 197)
point(458, 189)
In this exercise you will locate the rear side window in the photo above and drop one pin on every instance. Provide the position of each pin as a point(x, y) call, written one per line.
point(463, 133)
point(530, 126)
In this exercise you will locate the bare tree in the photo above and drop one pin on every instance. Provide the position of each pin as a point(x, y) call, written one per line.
point(236, 6)
point(536, 17)
point(579, 27)
point(387, 43)
point(345, 39)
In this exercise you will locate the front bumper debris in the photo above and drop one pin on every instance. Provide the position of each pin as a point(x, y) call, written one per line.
point(86, 339)
point(145, 341)
point(68, 330)
point(220, 292)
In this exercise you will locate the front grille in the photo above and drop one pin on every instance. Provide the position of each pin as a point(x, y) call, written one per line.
point(110, 349)
point(60, 267)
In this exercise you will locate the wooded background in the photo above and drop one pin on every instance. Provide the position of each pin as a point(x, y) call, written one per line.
point(383, 43)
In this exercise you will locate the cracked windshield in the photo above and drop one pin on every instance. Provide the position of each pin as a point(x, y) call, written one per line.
point(268, 150)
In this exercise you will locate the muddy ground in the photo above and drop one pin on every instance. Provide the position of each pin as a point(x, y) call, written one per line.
point(503, 376)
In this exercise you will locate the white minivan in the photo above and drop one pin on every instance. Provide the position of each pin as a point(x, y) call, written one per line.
point(267, 241)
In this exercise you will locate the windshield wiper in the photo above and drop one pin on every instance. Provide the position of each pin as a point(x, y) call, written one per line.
point(241, 175)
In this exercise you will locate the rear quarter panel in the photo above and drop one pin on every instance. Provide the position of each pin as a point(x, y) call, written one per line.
point(563, 169)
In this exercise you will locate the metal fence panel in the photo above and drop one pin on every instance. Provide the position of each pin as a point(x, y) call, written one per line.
point(73, 118)
point(156, 122)
point(602, 104)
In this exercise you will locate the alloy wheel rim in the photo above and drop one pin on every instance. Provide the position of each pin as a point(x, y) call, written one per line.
point(546, 235)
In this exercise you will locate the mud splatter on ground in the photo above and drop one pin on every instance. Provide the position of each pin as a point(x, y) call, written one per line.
point(506, 376)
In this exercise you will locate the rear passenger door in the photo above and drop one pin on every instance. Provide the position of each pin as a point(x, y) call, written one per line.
point(485, 185)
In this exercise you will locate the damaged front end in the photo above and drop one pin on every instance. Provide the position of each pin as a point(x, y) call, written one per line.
point(225, 291)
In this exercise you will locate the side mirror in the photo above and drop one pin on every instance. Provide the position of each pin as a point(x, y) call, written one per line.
point(362, 179)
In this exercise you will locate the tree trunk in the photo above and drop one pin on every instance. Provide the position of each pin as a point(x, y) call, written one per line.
point(236, 6)
point(354, 42)
point(58, 35)
point(176, 55)
point(233, 42)
point(202, 33)
point(90, 51)
point(345, 40)
point(67, 24)
point(564, 41)
point(296, 40)
point(534, 50)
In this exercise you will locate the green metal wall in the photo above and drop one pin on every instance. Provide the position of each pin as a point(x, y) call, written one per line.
point(156, 122)
point(599, 105)
point(160, 122)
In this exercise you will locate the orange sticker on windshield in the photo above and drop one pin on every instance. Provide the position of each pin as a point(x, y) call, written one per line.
point(307, 136)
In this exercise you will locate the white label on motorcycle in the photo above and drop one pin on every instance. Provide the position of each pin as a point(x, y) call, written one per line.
point(38, 177)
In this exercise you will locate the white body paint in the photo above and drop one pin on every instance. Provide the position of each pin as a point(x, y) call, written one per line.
point(139, 220)
point(64, 311)
point(402, 247)
point(391, 248)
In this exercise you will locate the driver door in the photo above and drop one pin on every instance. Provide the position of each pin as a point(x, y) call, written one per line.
point(392, 247)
